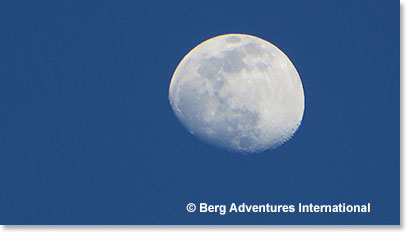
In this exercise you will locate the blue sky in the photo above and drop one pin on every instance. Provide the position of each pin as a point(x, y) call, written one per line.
point(88, 135)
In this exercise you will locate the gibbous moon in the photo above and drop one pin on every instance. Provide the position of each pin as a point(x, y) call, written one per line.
point(238, 92)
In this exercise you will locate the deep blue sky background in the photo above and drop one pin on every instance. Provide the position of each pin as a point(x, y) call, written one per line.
point(87, 135)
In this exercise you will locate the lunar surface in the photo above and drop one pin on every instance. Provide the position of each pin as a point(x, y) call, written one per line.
point(238, 92)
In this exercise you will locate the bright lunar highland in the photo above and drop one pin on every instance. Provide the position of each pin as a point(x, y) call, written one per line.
point(238, 92)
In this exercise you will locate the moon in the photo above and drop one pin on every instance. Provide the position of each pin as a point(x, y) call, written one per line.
point(238, 92)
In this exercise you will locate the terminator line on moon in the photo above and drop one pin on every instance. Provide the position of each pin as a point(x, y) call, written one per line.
point(238, 92)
